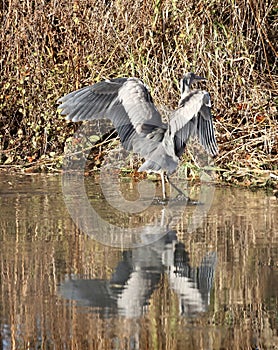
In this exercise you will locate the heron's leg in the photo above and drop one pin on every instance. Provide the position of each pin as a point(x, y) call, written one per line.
point(163, 185)
point(175, 187)
point(181, 195)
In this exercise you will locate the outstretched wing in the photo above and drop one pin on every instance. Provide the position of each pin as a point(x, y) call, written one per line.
point(193, 118)
point(125, 101)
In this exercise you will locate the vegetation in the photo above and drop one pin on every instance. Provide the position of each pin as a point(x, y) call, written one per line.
point(50, 48)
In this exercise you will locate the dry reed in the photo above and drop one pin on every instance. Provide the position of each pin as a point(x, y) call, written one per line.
point(49, 48)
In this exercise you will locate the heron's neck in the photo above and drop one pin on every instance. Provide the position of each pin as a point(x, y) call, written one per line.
point(184, 93)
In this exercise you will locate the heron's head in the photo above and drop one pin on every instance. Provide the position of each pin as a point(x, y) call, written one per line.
point(188, 79)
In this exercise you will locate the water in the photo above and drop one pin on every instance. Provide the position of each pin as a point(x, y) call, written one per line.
point(170, 277)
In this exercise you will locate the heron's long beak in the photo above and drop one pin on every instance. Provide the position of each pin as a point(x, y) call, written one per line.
point(197, 77)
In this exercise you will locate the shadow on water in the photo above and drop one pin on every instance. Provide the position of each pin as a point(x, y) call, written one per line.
point(189, 278)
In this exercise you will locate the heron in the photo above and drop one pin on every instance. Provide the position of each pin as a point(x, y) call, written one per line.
point(127, 102)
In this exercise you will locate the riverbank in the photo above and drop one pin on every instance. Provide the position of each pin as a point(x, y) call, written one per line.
point(49, 49)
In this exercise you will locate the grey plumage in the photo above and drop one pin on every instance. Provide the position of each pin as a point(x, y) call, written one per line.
point(129, 105)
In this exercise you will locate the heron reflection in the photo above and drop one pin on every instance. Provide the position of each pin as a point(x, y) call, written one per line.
point(137, 276)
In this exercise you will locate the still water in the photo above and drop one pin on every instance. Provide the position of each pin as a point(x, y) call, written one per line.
point(121, 270)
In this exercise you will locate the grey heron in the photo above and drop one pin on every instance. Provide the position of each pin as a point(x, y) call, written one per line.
point(128, 103)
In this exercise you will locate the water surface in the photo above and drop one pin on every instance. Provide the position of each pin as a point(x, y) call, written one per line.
point(189, 278)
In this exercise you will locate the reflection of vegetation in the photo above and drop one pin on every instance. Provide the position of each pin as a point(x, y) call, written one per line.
point(50, 48)
point(40, 246)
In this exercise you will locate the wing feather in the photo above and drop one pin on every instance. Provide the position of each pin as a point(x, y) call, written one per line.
point(125, 101)
point(206, 135)
point(193, 118)
point(139, 105)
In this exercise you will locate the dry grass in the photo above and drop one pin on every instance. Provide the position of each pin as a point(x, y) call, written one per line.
point(49, 48)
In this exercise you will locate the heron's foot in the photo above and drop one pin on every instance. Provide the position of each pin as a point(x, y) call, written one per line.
point(194, 202)
point(181, 197)
point(160, 201)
